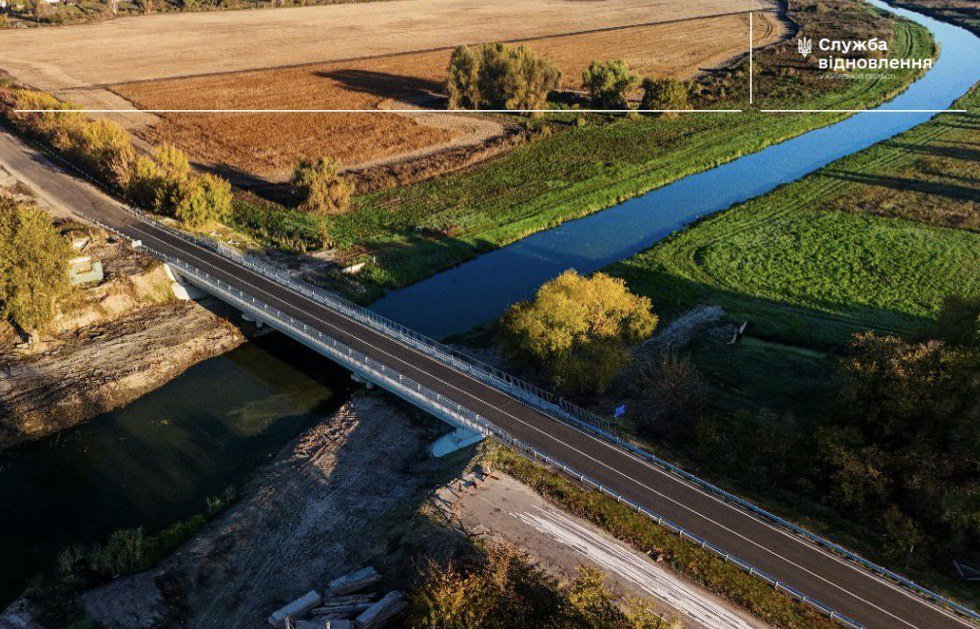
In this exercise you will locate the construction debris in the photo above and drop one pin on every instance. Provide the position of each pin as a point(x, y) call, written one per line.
point(344, 606)
point(297, 609)
point(357, 580)
point(392, 604)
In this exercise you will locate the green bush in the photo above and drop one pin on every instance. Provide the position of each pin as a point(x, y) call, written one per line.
point(665, 94)
point(609, 83)
point(323, 190)
point(498, 76)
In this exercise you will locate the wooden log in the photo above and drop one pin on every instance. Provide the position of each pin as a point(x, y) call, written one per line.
point(296, 609)
point(357, 580)
point(378, 615)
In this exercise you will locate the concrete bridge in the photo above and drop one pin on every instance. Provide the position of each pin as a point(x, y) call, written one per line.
point(478, 398)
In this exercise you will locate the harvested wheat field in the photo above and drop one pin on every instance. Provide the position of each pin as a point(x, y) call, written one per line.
point(267, 144)
point(170, 45)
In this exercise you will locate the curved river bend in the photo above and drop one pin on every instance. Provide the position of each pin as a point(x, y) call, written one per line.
point(155, 461)
point(478, 291)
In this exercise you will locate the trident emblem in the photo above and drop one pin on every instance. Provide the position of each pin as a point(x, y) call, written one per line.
point(805, 46)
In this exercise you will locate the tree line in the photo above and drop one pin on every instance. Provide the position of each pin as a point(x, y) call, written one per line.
point(163, 182)
point(501, 76)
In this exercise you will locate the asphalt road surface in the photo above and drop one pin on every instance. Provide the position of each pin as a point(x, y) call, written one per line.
point(824, 577)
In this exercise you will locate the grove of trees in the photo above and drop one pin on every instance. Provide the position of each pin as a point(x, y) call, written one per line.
point(163, 183)
point(499, 76)
point(900, 444)
point(33, 265)
point(323, 190)
point(580, 330)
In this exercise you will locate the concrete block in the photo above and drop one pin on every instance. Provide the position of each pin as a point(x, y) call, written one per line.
point(379, 614)
point(357, 580)
point(456, 440)
point(295, 609)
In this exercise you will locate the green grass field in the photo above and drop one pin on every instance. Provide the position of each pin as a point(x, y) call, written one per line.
point(847, 248)
point(569, 171)
point(420, 229)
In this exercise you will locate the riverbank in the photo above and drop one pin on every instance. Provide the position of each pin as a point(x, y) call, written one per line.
point(112, 341)
point(335, 499)
point(578, 165)
point(877, 240)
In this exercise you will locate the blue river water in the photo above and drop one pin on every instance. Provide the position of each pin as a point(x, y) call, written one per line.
point(478, 291)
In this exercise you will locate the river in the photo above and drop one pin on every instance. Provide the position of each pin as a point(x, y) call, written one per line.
point(478, 291)
point(155, 461)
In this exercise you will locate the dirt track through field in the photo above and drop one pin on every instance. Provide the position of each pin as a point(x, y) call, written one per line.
point(365, 56)
point(266, 145)
point(160, 46)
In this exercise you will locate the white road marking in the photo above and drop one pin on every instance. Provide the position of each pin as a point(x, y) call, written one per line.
point(616, 450)
point(594, 438)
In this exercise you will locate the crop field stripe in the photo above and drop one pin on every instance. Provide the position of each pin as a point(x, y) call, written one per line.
point(520, 40)
point(379, 111)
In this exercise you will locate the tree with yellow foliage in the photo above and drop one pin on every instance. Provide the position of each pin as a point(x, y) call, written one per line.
point(580, 329)
point(33, 265)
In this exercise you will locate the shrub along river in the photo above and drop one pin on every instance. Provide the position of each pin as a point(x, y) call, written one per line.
point(157, 460)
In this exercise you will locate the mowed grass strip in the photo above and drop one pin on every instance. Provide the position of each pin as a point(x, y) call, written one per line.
point(805, 270)
point(421, 229)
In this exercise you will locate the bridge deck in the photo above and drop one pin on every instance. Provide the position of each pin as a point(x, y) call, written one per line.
point(827, 578)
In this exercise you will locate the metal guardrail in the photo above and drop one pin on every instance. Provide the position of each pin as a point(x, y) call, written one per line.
point(548, 403)
point(539, 398)
point(408, 388)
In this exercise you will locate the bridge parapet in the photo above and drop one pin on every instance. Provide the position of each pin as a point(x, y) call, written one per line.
point(454, 413)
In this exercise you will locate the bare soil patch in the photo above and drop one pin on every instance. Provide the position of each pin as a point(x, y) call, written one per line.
point(266, 145)
point(110, 344)
point(324, 507)
point(166, 46)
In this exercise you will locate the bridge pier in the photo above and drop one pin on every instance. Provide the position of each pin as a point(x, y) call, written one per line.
point(456, 440)
point(356, 377)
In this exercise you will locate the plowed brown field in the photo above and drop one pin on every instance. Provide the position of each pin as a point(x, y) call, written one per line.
point(266, 144)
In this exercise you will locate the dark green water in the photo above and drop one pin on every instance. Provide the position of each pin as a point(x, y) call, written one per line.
point(157, 460)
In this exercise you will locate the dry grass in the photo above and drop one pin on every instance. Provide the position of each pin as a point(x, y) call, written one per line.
point(266, 145)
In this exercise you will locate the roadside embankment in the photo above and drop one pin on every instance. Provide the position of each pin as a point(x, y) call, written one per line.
point(328, 504)
point(112, 341)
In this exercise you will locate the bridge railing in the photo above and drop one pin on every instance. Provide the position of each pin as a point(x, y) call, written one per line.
point(489, 374)
point(410, 389)
point(544, 400)
point(553, 405)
